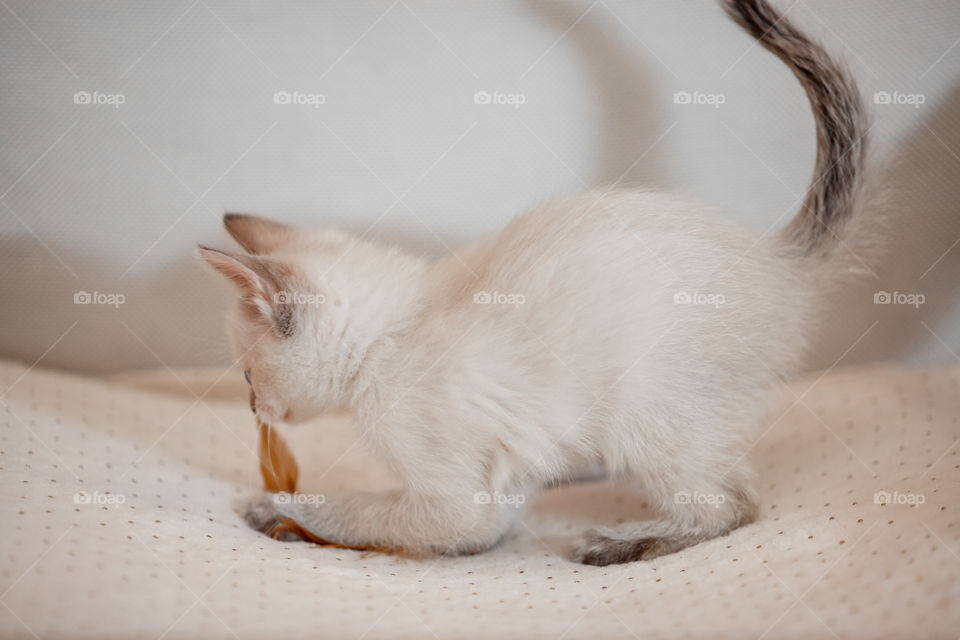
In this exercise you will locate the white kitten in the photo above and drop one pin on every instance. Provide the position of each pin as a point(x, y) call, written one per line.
point(628, 327)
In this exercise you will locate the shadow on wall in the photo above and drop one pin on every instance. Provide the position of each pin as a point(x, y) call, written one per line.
point(621, 80)
point(131, 321)
point(920, 255)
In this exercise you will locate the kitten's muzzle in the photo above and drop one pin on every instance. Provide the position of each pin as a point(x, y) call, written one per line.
point(267, 414)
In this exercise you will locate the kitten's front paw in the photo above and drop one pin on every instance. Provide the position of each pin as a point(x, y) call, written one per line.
point(262, 514)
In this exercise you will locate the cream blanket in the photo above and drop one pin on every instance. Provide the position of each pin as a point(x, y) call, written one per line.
point(118, 521)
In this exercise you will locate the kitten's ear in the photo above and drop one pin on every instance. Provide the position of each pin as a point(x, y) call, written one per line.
point(256, 280)
point(257, 235)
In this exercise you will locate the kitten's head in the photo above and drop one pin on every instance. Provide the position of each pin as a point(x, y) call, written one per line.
point(288, 326)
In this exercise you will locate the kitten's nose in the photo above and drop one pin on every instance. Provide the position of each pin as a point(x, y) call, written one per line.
point(253, 401)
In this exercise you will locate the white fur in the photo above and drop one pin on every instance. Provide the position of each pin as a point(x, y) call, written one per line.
point(624, 328)
point(598, 362)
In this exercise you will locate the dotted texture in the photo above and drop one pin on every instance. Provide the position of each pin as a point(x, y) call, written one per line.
point(859, 536)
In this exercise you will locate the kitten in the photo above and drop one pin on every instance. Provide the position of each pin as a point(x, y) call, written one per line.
point(626, 327)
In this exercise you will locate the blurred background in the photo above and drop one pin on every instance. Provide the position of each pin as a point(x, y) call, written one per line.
point(128, 129)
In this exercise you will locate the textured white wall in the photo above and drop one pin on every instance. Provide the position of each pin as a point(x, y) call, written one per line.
point(108, 199)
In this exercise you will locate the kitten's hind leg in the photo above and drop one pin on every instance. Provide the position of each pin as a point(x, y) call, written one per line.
point(690, 517)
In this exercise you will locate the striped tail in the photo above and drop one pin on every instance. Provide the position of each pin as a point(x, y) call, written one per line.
point(841, 124)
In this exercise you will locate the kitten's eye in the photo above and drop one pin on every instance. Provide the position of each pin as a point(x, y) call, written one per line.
point(246, 374)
